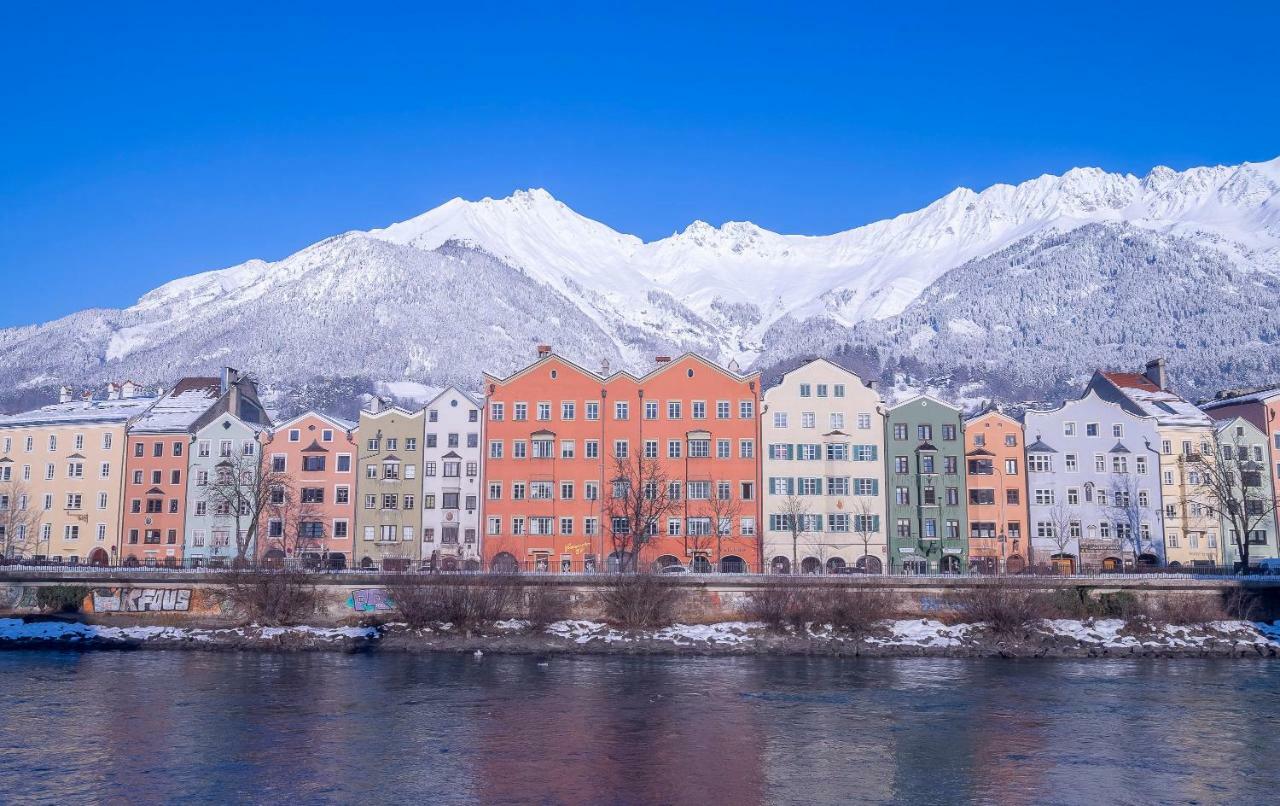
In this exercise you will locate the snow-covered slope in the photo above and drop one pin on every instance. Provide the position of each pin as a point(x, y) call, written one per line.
point(471, 286)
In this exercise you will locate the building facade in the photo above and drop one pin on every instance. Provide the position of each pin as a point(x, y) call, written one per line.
point(996, 494)
point(1243, 448)
point(1260, 407)
point(156, 462)
point(563, 445)
point(924, 453)
point(1191, 530)
point(823, 473)
point(62, 476)
point(223, 495)
point(313, 455)
point(1093, 487)
point(451, 482)
point(388, 518)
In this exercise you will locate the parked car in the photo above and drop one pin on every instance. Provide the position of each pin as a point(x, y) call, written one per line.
point(1269, 567)
point(674, 568)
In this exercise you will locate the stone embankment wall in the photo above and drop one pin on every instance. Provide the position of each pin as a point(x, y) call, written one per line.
point(188, 597)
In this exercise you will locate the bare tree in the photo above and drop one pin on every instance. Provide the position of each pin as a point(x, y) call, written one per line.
point(638, 500)
point(241, 492)
point(1232, 484)
point(723, 511)
point(19, 520)
point(295, 525)
point(795, 519)
point(1062, 518)
point(1126, 510)
point(864, 515)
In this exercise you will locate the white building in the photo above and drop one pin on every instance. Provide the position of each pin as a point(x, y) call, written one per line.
point(823, 435)
point(451, 482)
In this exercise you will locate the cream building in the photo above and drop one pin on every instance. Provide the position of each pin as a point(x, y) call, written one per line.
point(389, 488)
point(62, 475)
point(823, 432)
point(1191, 532)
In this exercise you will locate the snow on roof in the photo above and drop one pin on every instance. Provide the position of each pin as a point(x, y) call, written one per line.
point(181, 406)
point(80, 412)
point(1252, 396)
point(1169, 408)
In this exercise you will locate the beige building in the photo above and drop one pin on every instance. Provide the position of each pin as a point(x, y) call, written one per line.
point(389, 510)
point(62, 476)
point(1191, 532)
point(823, 460)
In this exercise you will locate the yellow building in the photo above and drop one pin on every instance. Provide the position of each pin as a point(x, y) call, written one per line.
point(62, 476)
point(1191, 533)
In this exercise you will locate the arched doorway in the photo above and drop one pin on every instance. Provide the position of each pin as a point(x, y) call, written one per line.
point(471, 565)
point(336, 561)
point(131, 561)
point(780, 565)
point(949, 564)
point(1015, 565)
point(1111, 564)
point(1063, 563)
point(98, 557)
point(366, 563)
point(504, 562)
point(701, 565)
point(835, 565)
point(1175, 564)
point(664, 561)
point(982, 565)
point(448, 563)
point(870, 565)
point(810, 565)
point(619, 561)
point(733, 564)
point(274, 558)
point(1146, 561)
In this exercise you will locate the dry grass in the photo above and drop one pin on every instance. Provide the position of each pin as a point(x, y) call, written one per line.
point(848, 609)
point(1007, 608)
point(543, 606)
point(269, 597)
point(465, 602)
point(640, 600)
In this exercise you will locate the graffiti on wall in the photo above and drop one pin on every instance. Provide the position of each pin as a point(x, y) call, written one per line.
point(369, 600)
point(141, 600)
point(17, 597)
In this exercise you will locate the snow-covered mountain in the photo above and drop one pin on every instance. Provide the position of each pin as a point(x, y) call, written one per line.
point(472, 286)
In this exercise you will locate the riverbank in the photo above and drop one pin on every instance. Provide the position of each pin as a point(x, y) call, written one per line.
point(1056, 638)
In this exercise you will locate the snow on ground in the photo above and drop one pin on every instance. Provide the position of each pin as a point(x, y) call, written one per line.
point(12, 629)
point(922, 632)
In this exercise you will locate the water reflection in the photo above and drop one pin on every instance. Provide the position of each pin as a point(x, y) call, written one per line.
point(201, 727)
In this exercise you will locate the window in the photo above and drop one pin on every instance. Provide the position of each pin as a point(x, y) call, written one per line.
point(806, 390)
point(673, 410)
point(779, 419)
point(1117, 430)
point(1044, 496)
point(496, 411)
point(591, 410)
point(568, 410)
point(722, 409)
point(723, 449)
point(949, 433)
point(1068, 429)
point(837, 421)
point(699, 409)
point(924, 432)
point(1091, 429)
point(621, 410)
point(746, 449)
point(746, 409)
point(544, 414)
point(808, 419)
point(1039, 463)
point(621, 448)
point(520, 412)
point(699, 448)
point(313, 464)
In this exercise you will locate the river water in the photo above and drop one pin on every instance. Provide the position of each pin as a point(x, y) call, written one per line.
point(204, 727)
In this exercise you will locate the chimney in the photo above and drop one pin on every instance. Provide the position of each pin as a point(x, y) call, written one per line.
point(65, 393)
point(663, 359)
point(604, 368)
point(544, 350)
point(230, 383)
point(1157, 374)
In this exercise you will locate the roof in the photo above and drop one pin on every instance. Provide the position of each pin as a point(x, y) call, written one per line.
point(1235, 397)
point(1169, 408)
point(660, 368)
point(179, 408)
point(337, 422)
point(1039, 446)
point(80, 412)
point(927, 398)
point(465, 396)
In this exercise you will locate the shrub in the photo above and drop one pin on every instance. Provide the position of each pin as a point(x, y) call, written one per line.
point(772, 604)
point(1007, 608)
point(855, 610)
point(640, 600)
point(1243, 605)
point(61, 598)
point(544, 606)
point(270, 597)
point(1186, 610)
point(466, 603)
point(1122, 605)
point(1072, 603)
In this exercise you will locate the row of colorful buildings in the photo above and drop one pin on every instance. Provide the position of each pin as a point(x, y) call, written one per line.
point(558, 468)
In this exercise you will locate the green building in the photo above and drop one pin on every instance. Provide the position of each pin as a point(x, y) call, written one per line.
point(924, 452)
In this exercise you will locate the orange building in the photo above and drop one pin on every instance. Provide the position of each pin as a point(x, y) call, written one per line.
point(553, 435)
point(317, 454)
point(997, 485)
point(156, 473)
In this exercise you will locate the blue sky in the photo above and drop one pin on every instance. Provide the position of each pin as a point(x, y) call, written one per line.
point(139, 144)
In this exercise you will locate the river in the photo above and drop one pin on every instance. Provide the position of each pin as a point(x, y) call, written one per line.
point(327, 727)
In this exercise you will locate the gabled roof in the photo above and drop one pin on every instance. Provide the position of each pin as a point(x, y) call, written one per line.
point(339, 423)
point(178, 409)
point(926, 446)
point(1167, 407)
point(979, 452)
point(1119, 448)
point(457, 391)
point(926, 397)
point(391, 457)
point(315, 447)
point(1039, 446)
point(992, 411)
point(450, 455)
point(657, 370)
point(829, 363)
point(1232, 397)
